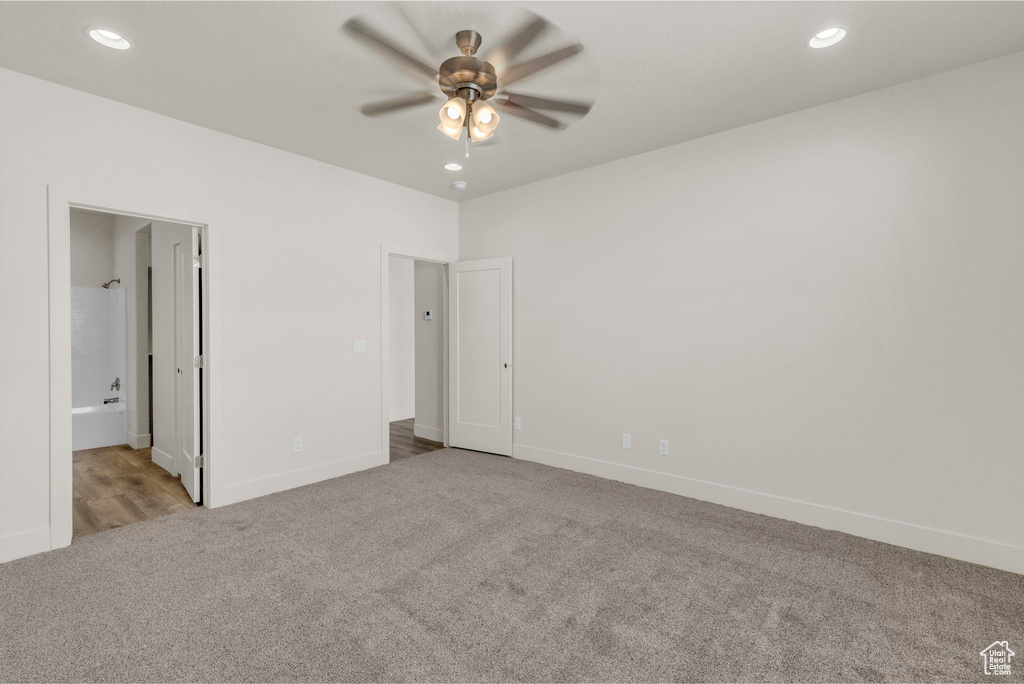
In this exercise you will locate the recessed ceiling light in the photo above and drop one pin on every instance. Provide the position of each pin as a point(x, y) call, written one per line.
point(828, 37)
point(460, 185)
point(453, 167)
point(109, 38)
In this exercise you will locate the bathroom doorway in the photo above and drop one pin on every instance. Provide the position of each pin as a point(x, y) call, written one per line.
point(136, 385)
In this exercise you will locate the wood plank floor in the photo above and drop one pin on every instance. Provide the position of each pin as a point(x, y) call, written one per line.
point(405, 444)
point(118, 485)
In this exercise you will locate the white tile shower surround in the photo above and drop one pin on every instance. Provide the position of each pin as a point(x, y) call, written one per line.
point(98, 356)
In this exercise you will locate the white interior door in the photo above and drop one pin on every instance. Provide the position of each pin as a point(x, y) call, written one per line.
point(186, 336)
point(480, 355)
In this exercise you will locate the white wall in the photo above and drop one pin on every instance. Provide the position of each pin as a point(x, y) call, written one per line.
point(132, 259)
point(92, 250)
point(430, 350)
point(823, 313)
point(402, 340)
point(299, 280)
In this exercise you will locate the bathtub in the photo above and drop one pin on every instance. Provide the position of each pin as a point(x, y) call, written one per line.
point(98, 426)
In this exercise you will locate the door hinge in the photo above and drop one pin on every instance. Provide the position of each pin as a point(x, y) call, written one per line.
point(200, 461)
point(197, 260)
point(198, 362)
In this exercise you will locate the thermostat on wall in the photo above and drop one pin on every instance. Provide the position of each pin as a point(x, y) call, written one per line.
point(428, 315)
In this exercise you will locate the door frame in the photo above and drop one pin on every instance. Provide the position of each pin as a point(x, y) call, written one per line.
point(60, 201)
point(385, 324)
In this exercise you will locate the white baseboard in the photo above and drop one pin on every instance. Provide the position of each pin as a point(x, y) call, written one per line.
point(164, 460)
point(962, 547)
point(21, 544)
point(139, 441)
point(279, 482)
point(426, 432)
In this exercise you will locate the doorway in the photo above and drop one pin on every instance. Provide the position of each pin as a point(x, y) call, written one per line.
point(116, 479)
point(122, 469)
point(416, 357)
point(469, 316)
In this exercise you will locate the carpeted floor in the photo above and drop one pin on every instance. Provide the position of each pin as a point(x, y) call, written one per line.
point(458, 566)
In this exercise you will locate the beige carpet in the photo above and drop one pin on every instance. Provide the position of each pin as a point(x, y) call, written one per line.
point(457, 566)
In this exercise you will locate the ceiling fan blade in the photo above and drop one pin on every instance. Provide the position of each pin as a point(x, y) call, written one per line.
point(432, 50)
point(518, 41)
point(530, 115)
point(396, 103)
point(360, 31)
point(546, 103)
point(520, 71)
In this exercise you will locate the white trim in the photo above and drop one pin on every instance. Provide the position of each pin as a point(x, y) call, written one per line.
point(164, 460)
point(432, 433)
point(21, 544)
point(138, 441)
point(59, 202)
point(279, 482)
point(962, 547)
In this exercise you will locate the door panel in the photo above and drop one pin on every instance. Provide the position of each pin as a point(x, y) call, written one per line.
point(187, 345)
point(480, 355)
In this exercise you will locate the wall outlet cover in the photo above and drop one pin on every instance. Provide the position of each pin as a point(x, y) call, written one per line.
point(627, 441)
point(297, 445)
point(516, 423)
point(359, 346)
point(663, 447)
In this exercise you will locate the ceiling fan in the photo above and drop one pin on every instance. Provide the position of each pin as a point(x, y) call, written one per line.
point(475, 91)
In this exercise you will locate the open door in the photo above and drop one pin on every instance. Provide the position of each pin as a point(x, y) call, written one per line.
point(480, 355)
point(188, 360)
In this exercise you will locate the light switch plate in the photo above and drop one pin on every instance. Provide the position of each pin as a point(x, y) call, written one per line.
point(516, 422)
point(360, 346)
point(627, 441)
point(428, 315)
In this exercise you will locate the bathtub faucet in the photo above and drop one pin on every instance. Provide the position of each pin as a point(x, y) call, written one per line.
point(116, 385)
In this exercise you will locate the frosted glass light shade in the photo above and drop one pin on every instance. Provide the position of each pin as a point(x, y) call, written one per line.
point(483, 121)
point(452, 125)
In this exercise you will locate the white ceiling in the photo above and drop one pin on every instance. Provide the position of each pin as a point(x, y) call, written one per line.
point(283, 74)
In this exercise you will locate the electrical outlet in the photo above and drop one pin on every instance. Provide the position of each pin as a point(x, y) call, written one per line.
point(428, 315)
point(516, 422)
point(297, 445)
point(663, 447)
point(627, 441)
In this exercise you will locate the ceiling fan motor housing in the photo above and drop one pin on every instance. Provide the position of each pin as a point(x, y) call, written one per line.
point(466, 76)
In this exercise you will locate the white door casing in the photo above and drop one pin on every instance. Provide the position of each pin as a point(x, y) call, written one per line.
point(480, 355)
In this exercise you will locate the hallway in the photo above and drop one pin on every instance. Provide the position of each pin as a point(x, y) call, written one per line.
point(405, 444)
